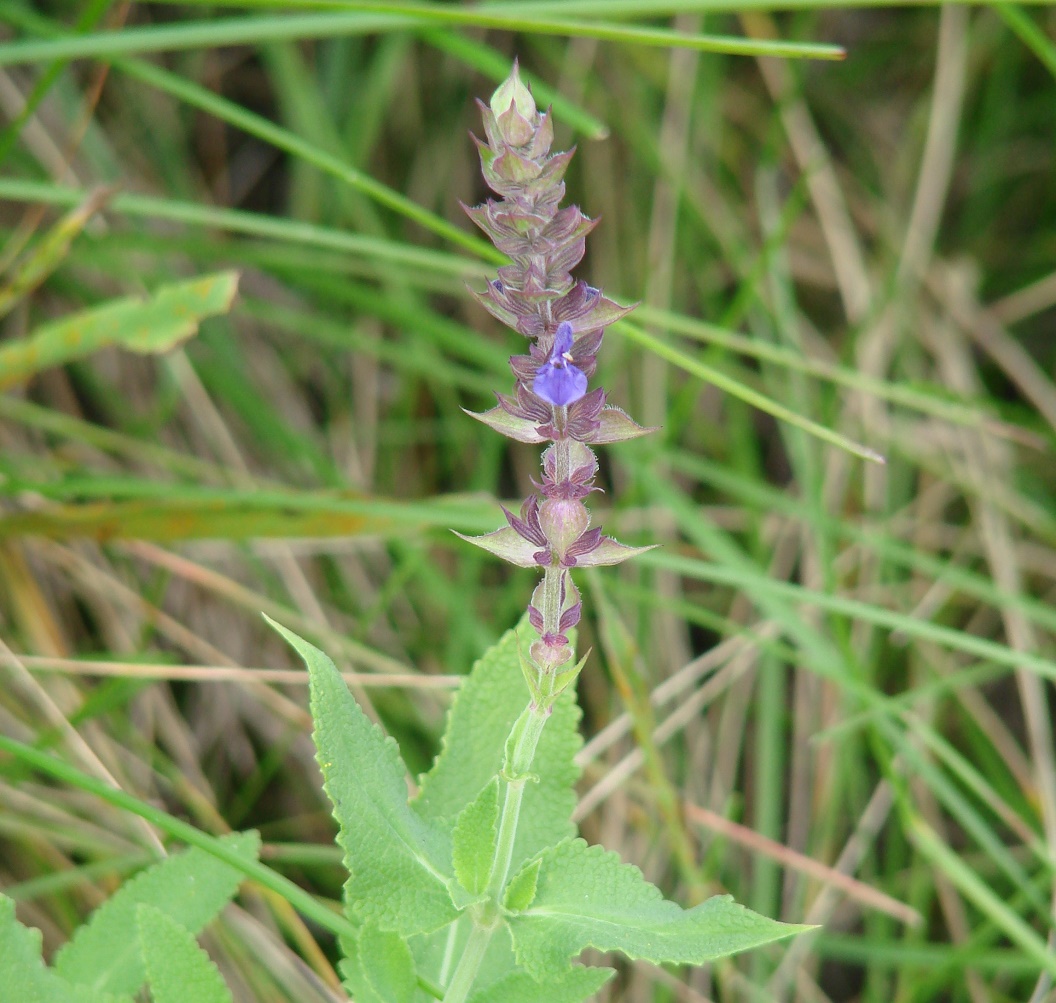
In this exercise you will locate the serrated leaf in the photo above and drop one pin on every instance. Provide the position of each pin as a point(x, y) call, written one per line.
point(25, 976)
point(190, 888)
point(520, 892)
point(475, 833)
point(352, 974)
point(576, 985)
point(587, 897)
point(484, 710)
point(178, 970)
point(387, 964)
point(399, 864)
point(167, 317)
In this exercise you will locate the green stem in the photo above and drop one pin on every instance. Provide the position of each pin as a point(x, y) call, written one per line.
point(520, 752)
point(525, 737)
point(552, 599)
point(469, 964)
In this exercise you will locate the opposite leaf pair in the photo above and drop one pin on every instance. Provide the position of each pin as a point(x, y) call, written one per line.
point(420, 870)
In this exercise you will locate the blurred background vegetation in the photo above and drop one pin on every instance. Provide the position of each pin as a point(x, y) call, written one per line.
point(829, 693)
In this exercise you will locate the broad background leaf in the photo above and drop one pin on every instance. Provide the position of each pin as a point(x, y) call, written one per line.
point(25, 976)
point(190, 888)
point(352, 974)
point(178, 970)
point(475, 835)
point(386, 962)
point(576, 985)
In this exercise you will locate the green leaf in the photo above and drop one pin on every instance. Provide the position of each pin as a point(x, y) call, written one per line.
point(352, 974)
point(586, 897)
point(190, 888)
point(177, 968)
point(399, 864)
point(482, 714)
point(156, 324)
point(386, 962)
point(476, 832)
point(25, 976)
point(576, 985)
point(520, 892)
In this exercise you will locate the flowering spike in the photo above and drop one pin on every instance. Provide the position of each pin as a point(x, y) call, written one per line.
point(564, 521)
point(563, 320)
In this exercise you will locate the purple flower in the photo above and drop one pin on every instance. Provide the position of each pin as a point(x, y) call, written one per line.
point(557, 380)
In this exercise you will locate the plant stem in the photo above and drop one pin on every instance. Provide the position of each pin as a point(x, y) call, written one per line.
point(469, 964)
point(516, 773)
point(520, 752)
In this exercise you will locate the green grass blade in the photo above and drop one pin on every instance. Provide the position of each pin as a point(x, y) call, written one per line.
point(976, 890)
point(239, 221)
point(375, 18)
point(756, 585)
point(208, 101)
point(1029, 33)
point(48, 253)
point(701, 370)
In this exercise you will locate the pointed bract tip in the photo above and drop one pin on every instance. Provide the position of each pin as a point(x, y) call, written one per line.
point(513, 92)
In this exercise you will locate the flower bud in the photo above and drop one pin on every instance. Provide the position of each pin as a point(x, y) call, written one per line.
point(550, 655)
point(514, 108)
point(563, 521)
point(513, 94)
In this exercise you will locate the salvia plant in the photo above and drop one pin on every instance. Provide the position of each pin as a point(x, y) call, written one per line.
point(477, 887)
